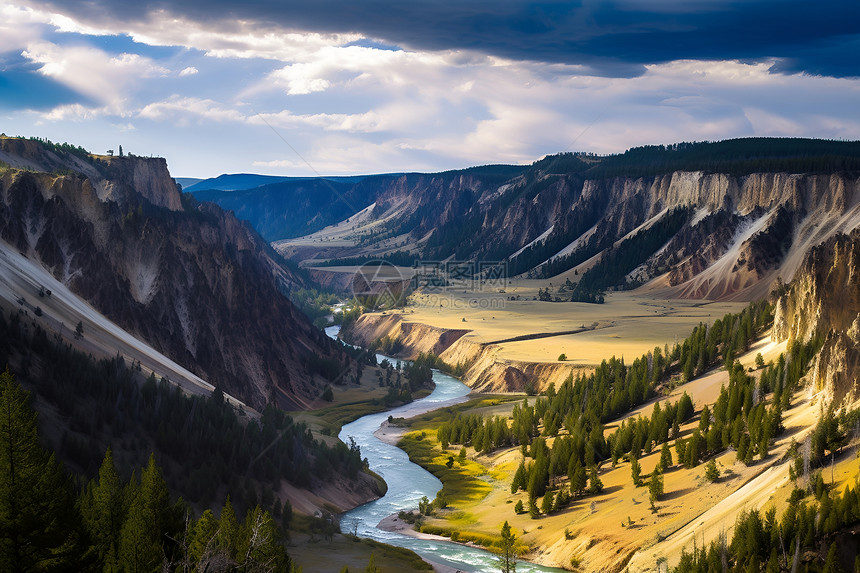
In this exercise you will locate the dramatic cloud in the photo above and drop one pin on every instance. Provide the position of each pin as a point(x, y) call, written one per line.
point(610, 37)
point(298, 88)
point(91, 72)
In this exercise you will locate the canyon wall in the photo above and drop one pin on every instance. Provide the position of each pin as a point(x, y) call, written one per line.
point(190, 279)
point(823, 303)
point(483, 369)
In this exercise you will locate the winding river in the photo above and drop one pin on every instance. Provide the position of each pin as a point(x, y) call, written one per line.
point(408, 483)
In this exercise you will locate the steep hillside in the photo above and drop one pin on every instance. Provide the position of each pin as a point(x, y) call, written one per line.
point(712, 220)
point(191, 280)
point(823, 303)
point(287, 207)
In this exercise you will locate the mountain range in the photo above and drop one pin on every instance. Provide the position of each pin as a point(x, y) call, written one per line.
point(720, 221)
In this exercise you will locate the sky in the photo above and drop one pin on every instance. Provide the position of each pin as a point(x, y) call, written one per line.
point(333, 87)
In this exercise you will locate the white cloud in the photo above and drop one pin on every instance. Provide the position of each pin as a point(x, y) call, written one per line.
point(124, 127)
point(278, 163)
point(351, 108)
point(231, 38)
point(92, 72)
point(182, 110)
point(73, 112)
point(19, 26)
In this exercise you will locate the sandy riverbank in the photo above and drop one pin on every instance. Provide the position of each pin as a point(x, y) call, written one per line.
point(389, 433)
point(396, 525)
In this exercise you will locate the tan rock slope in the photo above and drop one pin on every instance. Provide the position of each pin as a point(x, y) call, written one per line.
point(198, 285)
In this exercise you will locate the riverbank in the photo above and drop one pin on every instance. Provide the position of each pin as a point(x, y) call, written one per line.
point(616, 529)
point(408, 483)
point(511, 343)
point(394, 524)
point(389, 433)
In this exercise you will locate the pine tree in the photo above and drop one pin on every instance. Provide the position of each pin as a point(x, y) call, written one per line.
point(636, 472)
point(538, 477)
point(228, 530)
point(561, 500)
point(693, 447)
point(546, 504)
point(831, 564)
point(139, 550)
point(103, 513)
point(372, 567)
point(150, 520)
point(37, 517)
point(595, 486)
point(712, 473)
point(520, 480)
point(681, 450)
point(655, 485)
point(578, 480)
point(665, 456)
point(201, 546)
point(507, 550)
point(534, 512)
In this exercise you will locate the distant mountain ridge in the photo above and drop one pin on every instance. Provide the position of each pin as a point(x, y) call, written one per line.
point(717, 220)
point(233, 182)
point(292, 207)
point(245, 181)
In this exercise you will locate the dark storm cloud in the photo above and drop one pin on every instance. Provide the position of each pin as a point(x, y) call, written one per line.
point(611, 38)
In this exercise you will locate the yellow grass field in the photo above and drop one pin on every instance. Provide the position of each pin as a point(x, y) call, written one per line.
point(616, 529)
point(626, 325)
point(629, 324)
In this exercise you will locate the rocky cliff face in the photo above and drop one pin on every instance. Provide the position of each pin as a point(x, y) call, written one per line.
point(823, 302)
point(191, 280)
point(484, 370)
point(743, 230)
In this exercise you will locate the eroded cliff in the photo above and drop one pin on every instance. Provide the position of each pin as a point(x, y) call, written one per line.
point(481, 367)
point(823, 303)
point(191, 280)
point(739, 233)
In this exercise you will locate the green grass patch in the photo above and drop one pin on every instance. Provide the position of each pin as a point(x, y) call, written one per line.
point(490, 542)
point(336, 416)
point(407, 555)
point(461, 519)
point(436, 417)
point(460, 483)
point(333, 418)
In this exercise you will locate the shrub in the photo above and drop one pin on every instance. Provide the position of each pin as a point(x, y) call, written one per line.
point(712, 472)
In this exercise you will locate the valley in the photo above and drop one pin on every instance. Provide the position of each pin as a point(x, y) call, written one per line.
point(503, 345)
point(742, 238)
point(655, 359)
point(461, 287)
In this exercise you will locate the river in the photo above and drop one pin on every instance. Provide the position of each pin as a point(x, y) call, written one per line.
point(409, 482)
